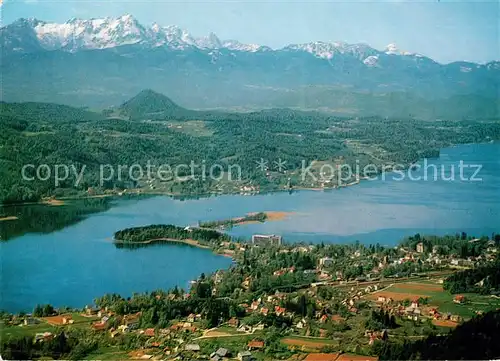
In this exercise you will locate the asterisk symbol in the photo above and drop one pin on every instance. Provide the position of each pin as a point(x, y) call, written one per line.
point(261, 164)
point(280, 164)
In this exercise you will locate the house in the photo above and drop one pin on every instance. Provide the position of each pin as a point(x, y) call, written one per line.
point(323, 319)
point(280, 311)
point(300, 325)
point(30, 321)
point(258, 327)
point(149, 332)
point(459, 299)
point(414, 303)
point(191, 318)
point(264, 311)
point(44, 336)
point(222, 352)
point(255, 345)
point(99, 326)
point(255, 305)
point(233, 322)
point(244, 328)
point(132, 320)
point(244, 356)
point(434, 313)
point(193, 347)
point(89, 311)
point(123, 328)
point(376, 335)
point(381, 299)
point(59, 320)
point(420, 247)
point(326, 262)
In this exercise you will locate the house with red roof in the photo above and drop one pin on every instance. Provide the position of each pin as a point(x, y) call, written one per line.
point(255, 345)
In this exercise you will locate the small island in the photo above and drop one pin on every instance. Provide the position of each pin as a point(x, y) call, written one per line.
point(229, 223)
point(250, 218)
point(158, 233)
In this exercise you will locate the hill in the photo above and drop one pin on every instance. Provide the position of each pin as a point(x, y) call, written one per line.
point(150, 104)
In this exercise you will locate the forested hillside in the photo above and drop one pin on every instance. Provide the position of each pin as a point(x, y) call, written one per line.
point(163, 133)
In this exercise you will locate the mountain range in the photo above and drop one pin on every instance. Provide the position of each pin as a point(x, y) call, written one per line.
point(100, 62)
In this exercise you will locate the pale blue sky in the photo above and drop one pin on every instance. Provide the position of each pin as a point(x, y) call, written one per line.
point(444, 30)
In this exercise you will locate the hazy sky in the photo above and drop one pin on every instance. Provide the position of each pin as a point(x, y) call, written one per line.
point(444, 30)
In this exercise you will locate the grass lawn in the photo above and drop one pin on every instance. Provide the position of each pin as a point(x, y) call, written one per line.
point(108, 353)
point(78, 318)
point(20, 331)
point(228, 329)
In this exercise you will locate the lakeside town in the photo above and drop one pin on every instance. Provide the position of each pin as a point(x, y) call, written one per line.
point(278, 301)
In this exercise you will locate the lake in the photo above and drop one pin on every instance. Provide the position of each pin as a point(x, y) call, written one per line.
point(74, 262)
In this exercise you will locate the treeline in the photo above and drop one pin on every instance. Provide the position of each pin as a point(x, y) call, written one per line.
point(228, 223)
point(168, 231)
point(484, 279)
point(45, 219)
point(72, 344)
point(460, 245)
point(476, 339)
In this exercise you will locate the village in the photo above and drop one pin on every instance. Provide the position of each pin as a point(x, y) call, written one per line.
point(298, 302)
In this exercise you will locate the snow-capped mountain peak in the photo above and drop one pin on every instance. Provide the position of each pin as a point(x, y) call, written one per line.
point(27, 35)
point(236, 45)
point(78, 34)
point(209, 42)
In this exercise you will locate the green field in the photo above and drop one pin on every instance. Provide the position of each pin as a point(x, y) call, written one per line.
point(21, 331)
point(444, 301)
point(108, 353)
point(30, 330)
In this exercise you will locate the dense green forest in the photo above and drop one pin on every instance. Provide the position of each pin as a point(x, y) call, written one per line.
point(459, 245)
point(484, 279)
point(476, 339)
point(228, 223)
point(141, 133)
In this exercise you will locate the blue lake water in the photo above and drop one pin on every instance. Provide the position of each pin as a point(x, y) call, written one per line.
point(78, 263)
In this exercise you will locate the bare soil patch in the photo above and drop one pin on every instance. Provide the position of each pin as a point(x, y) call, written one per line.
point(413, 286)
point(444, 323)
point(396, 296)
point(309, 344)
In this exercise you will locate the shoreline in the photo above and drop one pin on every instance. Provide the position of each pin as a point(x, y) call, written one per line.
point(187, 242)
point(138, 191)
point(8, 218)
